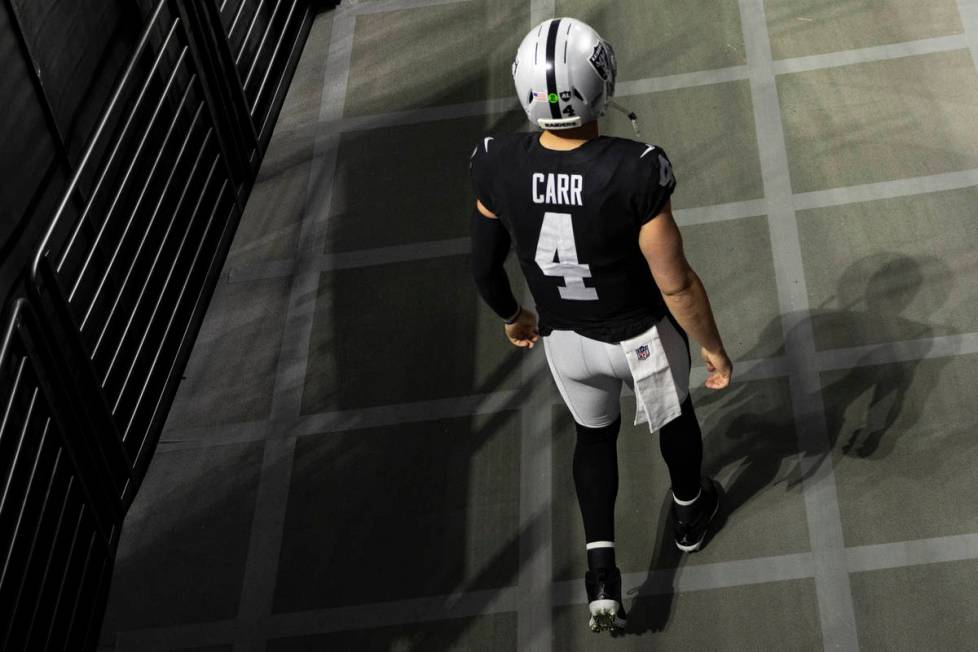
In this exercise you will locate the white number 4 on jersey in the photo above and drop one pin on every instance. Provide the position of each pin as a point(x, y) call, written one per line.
point(557, 240)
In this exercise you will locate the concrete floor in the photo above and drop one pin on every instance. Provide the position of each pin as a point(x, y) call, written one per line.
point(357, 460)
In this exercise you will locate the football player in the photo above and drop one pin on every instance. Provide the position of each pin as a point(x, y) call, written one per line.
point(590, 219)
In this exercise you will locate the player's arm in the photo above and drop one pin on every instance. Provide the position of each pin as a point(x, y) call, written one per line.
point(684, 294)
point(490, 245)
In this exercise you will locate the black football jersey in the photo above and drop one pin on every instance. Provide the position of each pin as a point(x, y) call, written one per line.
point(574, 219)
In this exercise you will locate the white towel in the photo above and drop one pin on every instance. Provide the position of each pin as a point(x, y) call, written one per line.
point(656, 398)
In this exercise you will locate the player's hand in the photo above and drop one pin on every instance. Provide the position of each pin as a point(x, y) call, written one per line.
point(523, 332)
point(719, 366)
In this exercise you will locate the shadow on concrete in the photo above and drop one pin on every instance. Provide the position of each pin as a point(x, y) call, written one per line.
point(394, 519)
point(874, 293)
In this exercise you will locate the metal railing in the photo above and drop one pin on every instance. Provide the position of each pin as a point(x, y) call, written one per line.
point(260, 59)
point(95, 344)
point(94, 273)
point(57, 521)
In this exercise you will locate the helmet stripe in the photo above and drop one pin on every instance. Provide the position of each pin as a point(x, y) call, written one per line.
point(552, 67)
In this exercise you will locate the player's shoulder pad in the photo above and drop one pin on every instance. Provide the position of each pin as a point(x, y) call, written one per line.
point(654, 160)
point(483, 151)
point(490, 152)
point(638, 154)
point(489, 147)
point(640, 159)
point(648, 153)
point(482, 147)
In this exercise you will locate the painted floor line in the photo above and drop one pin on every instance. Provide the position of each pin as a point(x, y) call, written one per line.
point(191, 437)
point(891, 352)
point(679, 81)
point(342, 420)
point(427, 114)
point(968, 12)
point(265, 542)
point(260, 270)
point(396, 254)
point(670, 82)
point(719, 212)
point(541, 10)
point(324, 621)
point(535, 613)
point(912, 553)
point(886, 190)
point(360, 7)
point(396, 612)
point(696, 577)
point(387, 415)
point(182, 438)
point(835, 610)
point(684, 217)
point(166, 639)
point(870, 54)
point(265, 270)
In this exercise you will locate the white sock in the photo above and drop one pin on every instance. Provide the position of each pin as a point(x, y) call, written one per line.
point(600, 544)
point(685, 503)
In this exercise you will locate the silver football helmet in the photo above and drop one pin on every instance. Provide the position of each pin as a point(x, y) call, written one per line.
point(564, 74)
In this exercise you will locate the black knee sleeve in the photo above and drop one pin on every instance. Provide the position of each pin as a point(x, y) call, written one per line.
point(681, 444)
point(596, 479)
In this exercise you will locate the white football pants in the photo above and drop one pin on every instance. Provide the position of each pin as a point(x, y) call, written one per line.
point(589, 374)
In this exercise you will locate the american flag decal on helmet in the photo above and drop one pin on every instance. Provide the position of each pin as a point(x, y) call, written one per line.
point(643, 352)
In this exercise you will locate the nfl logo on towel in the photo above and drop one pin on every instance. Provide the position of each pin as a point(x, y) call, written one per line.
point(642, 352)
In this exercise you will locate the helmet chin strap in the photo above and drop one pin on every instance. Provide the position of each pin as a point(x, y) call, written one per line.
point(629, 114)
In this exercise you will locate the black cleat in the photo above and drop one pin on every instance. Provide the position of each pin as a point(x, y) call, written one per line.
point(604, 600)
point(691, 523)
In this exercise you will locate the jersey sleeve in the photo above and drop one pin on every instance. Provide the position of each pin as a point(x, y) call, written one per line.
point(656, 183)
point(481, 167)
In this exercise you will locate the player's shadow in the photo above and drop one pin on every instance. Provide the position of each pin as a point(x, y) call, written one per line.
point(751, 441)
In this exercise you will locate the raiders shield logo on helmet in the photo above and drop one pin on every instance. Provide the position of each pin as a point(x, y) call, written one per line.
point(603, 62)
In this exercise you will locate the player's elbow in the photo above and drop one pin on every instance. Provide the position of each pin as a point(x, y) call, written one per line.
point(677, 292)
point(677, 286)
